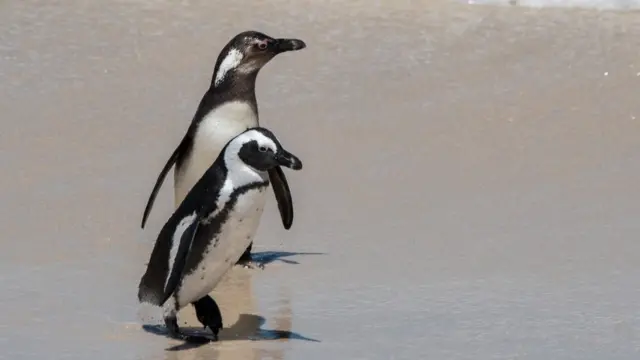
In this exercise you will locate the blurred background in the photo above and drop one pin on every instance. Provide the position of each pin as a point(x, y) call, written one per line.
point(470, 188)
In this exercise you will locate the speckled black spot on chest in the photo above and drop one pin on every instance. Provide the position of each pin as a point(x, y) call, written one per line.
point(212, 229)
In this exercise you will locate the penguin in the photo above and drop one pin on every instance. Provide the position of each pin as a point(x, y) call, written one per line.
point(227, 108)
point(210, 230)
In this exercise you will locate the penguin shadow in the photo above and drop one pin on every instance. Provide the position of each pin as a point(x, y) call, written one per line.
point(268, 257)
point(235, 297)
point(247, 327)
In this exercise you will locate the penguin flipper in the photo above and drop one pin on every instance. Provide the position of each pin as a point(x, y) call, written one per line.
point(181, 259)
point(283, 195)
point(178, 152)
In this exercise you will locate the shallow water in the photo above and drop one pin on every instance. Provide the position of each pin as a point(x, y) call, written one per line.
point(469, 190)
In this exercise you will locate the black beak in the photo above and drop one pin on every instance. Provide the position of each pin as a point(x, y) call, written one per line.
point(289, 160)
point(283, 45)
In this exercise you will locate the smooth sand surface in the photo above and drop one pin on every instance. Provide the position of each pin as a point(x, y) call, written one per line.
point(470, 188)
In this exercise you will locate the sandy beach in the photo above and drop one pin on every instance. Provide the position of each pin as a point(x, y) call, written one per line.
point(469, 191)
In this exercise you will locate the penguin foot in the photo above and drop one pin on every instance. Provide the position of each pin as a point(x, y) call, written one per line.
point(175, 333)
point(251, 264)
point(246, 260)
point(208, 313)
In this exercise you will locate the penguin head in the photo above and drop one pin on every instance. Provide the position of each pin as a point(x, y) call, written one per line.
point(259, 148)
point(246, 53)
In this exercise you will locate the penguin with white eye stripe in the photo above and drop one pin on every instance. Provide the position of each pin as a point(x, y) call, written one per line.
point(210, 230)
point(227, 108)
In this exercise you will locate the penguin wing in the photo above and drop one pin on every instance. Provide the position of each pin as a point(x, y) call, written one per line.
point(180, 259)
point(177, 153)
point(283, 195)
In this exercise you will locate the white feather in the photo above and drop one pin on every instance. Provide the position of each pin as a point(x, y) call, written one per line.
point(234, 237)
point(231, 61)
point(239, 173)
point(214, 132)
point(170, 308)
point(238, 229)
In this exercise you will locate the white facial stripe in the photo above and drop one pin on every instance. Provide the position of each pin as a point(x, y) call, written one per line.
point(231, 155)
point(231, 61)
point(252, 135)
point(266, 142)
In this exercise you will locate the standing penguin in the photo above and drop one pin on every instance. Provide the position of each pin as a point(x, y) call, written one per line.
point(227, 108)
point(211, 229)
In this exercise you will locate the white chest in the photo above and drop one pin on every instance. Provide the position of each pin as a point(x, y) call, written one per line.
point(226, 248)
point(212, 134)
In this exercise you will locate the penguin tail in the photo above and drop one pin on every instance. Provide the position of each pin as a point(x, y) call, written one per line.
point(148, 294)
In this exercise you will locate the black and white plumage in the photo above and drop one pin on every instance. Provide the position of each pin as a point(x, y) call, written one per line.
point(211, 228)
point(227, 108)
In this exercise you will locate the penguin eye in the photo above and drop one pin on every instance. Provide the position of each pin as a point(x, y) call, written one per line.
point(262, 149)
point(262, 45)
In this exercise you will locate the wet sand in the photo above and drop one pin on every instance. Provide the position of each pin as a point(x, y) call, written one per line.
point(471, 179)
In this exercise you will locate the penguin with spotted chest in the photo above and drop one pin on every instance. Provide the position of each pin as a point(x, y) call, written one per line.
point(210, 230)
point(228, 108)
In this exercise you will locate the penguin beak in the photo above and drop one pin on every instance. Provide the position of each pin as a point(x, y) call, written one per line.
point(282, 45)
point(287, 159)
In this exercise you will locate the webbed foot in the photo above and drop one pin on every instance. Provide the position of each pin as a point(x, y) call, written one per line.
point(208, 313)
point(247, 262)
point(175, 333)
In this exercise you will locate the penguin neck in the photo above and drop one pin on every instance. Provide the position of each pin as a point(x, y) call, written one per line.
point(241, 174)
point(236, 86)
point(235, 80)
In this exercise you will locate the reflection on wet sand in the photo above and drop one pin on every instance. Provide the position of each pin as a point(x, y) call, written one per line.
point(242, 323)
